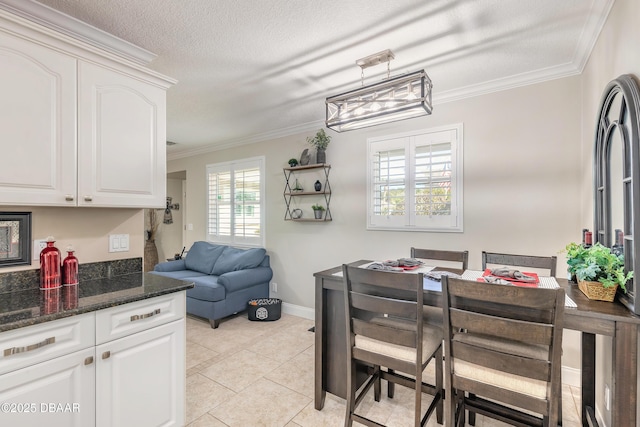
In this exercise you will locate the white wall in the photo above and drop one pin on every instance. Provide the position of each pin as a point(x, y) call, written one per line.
point(87, 229)
point(615, 53)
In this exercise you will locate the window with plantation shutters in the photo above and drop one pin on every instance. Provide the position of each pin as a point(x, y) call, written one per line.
point(235, 202)
point(415, 181)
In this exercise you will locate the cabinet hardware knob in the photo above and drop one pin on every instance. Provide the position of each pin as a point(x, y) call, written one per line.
point(144, 316)
point(69, 198)
point(106, 355)
point(88, 360)
point(88, 198)
point(17, 350)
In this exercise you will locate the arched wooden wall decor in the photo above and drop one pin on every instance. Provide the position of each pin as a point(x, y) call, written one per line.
point(617, 175)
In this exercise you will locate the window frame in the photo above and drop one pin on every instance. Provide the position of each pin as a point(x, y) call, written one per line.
point(408, 141)
point(232, 167)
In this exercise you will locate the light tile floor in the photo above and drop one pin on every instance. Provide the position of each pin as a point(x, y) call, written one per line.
point(261, 374)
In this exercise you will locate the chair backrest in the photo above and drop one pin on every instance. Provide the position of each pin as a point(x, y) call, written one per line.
point(504, 343)
point(394, 301)
point(530, 261)
point(434, 254)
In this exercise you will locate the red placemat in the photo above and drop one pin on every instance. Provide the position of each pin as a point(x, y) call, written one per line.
point(487, 272)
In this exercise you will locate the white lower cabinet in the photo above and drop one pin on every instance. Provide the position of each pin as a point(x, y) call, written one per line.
point(59, 392)
point(121, 366)
point(140, 379)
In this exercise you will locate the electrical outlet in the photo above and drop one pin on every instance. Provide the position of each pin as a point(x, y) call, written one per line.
point(38, 246)
point(274, 287)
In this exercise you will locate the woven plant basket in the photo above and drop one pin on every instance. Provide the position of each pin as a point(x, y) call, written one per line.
point(595, 290)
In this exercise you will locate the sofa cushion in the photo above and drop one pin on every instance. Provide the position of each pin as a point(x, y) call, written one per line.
point(234, 259)
point(180, 274)
point(202, 256)
point(207, 288)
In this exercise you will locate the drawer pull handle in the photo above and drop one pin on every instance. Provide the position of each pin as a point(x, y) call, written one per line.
point(144, 316)
point(69, 198)
point(17, 350)
point(88, 360)
point(88, 199)
point(106, 355)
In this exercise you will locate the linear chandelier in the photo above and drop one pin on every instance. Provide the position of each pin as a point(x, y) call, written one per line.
point(393, 99)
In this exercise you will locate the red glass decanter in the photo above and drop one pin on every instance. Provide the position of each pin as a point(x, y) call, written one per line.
point(50, 266)
point(70, 268)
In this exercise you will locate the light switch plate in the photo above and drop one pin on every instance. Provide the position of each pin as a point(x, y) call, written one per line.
point(118, 242)
point(38, 246)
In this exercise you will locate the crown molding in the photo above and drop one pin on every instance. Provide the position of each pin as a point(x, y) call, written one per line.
point(72, 27)
point(510, 82)
point(591, 32)
point(265, 136)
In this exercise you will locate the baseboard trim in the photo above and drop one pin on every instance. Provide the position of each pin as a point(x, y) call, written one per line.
point(571, 376)
point(298, 310)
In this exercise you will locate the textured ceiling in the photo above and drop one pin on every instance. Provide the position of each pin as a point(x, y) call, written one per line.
point(252, 70)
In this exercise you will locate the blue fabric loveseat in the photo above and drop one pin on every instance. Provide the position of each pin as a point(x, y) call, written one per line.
point(225, 278)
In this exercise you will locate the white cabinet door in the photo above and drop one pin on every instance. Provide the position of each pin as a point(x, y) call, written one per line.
point(37, 124)
point(59, 392)
point(121, 140)
point(140, 379)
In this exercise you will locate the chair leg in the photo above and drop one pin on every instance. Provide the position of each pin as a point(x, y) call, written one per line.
point(418, 401)
point(391, 387)
point(351, 395)
point(451, 406)
point(377, 387)
point(472, 415)
point(439, 386)
point(214, 323)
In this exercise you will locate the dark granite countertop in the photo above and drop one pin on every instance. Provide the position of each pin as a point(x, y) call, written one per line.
point(20, 308)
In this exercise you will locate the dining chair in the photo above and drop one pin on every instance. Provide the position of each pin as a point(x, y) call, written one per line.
point(530, 261)
point(503, 347)
point(439, 255)
point(384, 328)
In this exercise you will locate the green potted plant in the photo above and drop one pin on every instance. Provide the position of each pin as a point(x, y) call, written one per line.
point(293, 162)
point(599, 271)
point(320, 142)
point(318, 211)
point(575, 257)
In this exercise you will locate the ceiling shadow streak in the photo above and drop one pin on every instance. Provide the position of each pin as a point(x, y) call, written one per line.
point(475, 48)
point(278, 70)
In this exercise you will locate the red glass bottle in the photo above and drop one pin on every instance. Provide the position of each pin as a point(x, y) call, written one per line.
point(50, 266)
point(70, 268)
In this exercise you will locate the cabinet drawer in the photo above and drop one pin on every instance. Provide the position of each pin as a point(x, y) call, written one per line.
point(33, 344)
point(123, 320)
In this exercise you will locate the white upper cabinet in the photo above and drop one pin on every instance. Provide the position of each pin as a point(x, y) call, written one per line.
point(121, 140)
point(37, 124)
point(79, 126)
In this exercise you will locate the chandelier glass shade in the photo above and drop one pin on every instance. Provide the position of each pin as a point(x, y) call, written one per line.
point(393, 99)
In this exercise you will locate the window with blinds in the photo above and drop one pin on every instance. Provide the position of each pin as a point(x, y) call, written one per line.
point(415, 181)
point(235, 202)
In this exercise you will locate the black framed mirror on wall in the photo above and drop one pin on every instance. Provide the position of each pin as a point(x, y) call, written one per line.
point(616, 175)
point(15, 238)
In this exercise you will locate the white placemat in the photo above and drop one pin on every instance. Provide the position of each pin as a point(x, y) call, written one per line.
point(545, 282)
point(423, 269)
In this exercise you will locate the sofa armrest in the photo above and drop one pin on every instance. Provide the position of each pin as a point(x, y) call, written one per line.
point(175, 265)
point(241, 279)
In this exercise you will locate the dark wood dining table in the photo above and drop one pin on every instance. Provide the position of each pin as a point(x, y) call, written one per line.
point(591, 318)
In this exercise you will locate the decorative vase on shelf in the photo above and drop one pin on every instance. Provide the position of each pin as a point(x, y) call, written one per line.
point(150, 255)
point(304, 158)
point(317, 214)
point(321, 156)
point(317, 185)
